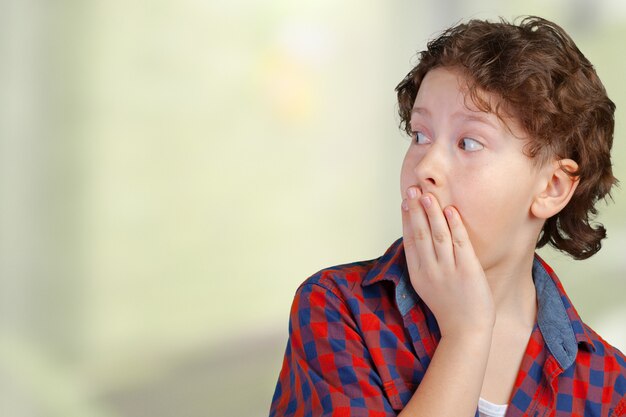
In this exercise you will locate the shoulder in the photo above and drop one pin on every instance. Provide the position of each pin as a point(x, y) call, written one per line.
point(612, 359)
point(353, 288)
point(356, 279)
point(337, 277)
point(330, 297)
point(602, 369)
point(342, 280)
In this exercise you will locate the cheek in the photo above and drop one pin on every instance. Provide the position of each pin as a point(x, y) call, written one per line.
point(469, 194)
point(491, 206)
point(478, 200)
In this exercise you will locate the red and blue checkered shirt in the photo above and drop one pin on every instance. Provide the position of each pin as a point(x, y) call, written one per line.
point(361, 339)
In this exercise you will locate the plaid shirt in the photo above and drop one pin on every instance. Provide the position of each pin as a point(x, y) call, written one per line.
point(360, 341)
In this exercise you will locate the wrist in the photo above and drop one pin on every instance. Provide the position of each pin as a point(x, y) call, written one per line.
point(476, 337)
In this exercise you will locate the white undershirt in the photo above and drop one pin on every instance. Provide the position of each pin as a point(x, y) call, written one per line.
point(487, 409)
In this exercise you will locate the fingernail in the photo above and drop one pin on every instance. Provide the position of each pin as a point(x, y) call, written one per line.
point(412, 193)
point(426, 202)
point(405, 205)
point(448, 212)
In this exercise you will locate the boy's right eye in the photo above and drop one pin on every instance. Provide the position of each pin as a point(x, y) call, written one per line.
point(420, 138)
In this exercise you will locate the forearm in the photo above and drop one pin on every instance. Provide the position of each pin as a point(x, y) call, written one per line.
point(453, 381)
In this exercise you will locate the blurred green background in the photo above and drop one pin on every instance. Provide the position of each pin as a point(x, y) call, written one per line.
point(170, 171)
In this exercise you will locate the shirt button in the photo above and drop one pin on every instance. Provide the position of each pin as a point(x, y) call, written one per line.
point(404, 295)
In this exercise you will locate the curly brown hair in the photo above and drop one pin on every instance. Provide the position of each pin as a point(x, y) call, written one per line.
point(546, 83)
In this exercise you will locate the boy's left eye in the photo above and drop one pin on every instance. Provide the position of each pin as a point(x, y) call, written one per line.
point(471, 145)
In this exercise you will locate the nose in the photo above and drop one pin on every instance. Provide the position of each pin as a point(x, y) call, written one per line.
point(430, 167)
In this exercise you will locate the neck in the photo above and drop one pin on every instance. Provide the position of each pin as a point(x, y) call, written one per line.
point(514, 291)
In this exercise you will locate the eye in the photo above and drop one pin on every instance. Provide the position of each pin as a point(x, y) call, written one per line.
point(470, 145)
point(420, 138)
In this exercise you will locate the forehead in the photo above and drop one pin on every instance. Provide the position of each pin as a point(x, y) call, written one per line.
point(448, 89)
point(444, 87)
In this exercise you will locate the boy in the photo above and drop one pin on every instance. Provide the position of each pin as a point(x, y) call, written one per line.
point(511, 136)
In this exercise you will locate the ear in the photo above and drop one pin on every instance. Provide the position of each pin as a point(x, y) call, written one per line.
point(556, 190)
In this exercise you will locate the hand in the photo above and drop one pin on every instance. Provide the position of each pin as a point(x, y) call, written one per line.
point(444, 268)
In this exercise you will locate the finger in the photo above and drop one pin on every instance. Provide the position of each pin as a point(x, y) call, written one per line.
point(439, 230)
point(411, 250)
point(462, 246)
point(418, 229)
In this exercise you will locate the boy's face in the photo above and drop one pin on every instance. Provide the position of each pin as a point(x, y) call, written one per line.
point(469, 159)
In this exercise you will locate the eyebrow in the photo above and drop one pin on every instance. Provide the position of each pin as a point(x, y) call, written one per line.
point(479, 117)
point(476, 118)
